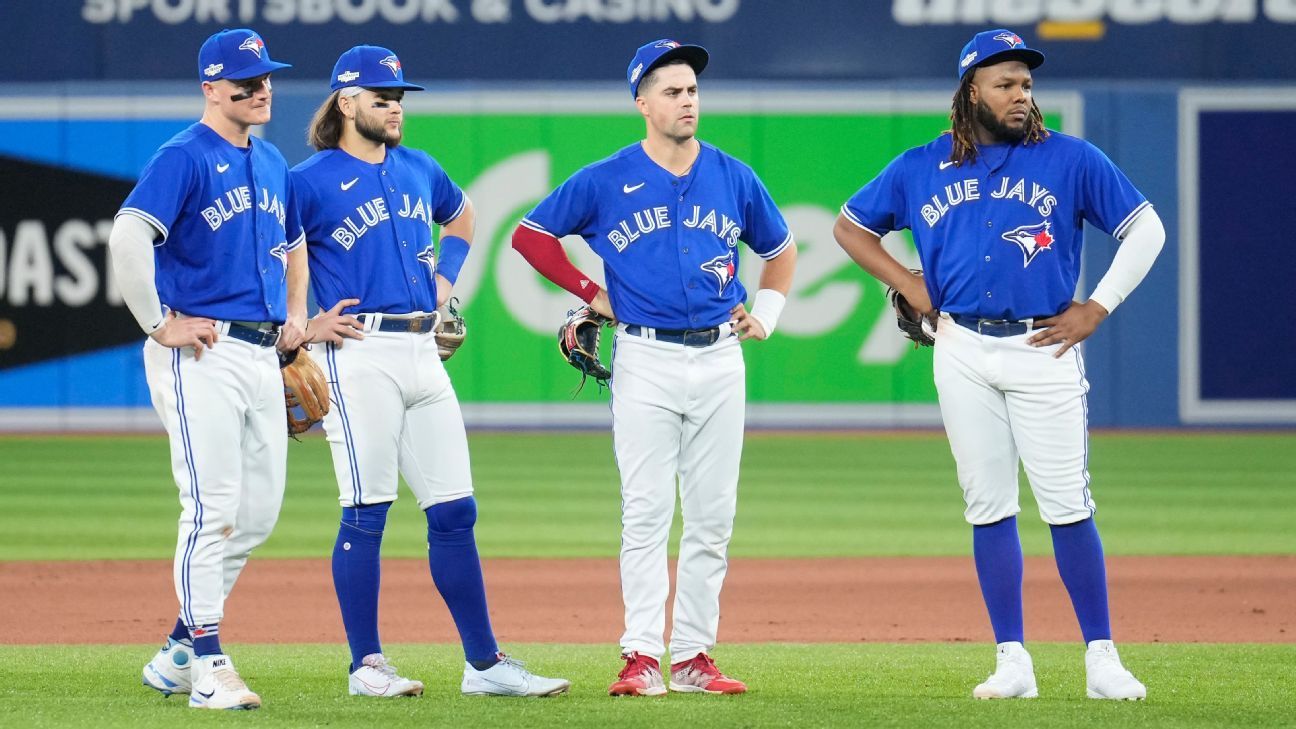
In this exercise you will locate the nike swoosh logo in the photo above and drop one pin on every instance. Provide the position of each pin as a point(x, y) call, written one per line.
point(627, 189)
point(207, 695)
point(519, 686)
point(944, 165)
point(222, 168)
point(347, 185)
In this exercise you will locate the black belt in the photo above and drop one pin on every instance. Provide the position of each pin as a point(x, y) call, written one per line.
point(260, 333)
point(994, 327)
point(686, 337)
point(415, 325)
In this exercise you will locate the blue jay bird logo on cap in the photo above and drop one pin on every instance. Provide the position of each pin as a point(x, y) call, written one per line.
point(722, 267)
point(667, 44)
point(254, 44)
point(1012, 39)
point(1031, 239)
point(393, 63)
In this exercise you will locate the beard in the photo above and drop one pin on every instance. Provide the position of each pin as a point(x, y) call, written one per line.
point(375, 130)
point(1001, 131)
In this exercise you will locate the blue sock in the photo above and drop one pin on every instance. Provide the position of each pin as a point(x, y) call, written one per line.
point(1079, 555)
point(180, 633)
point(998, 553)
point(206, 639)
point(357, 572)
point(456, 571)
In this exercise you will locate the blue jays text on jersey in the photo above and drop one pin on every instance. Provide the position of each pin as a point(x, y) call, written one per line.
point(668, 243)
point(227, 221)
point(1000, 238)
point(370, 227)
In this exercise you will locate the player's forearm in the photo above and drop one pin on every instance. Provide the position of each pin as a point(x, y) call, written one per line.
point(865, 249)
point(1134, 258)
point(463, 226)
point(131, 245)
point(298, 277)
point(779, 270)
point(546, 256)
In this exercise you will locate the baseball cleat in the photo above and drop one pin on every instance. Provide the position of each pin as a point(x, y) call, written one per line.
point(1014, 676)
point(640, 677)
point(700, 675)
point(1106, 678)
point(169, 671)
point(509, 678)
point(216, 685)
point(377, 677)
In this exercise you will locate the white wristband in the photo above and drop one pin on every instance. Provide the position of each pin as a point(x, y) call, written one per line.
point(767, 308)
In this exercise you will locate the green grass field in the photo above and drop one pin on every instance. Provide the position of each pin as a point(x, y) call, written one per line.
point(556, 495)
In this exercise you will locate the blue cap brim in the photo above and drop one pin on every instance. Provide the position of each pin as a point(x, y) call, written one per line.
point(392, 85)
point(1031, 57)
point(259, 68)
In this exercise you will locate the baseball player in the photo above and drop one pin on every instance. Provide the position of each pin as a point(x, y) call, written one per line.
point(996, 207)
point(207, 250)
point(368, 207)
point(666, 215)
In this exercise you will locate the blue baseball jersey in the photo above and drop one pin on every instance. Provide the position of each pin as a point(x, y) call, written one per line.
point(227, 221)
point(1000, 238)
point(668, 243)
point(369, 227)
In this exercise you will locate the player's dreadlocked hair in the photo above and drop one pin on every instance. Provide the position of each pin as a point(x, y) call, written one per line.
point(326, 126)
point(963, 148)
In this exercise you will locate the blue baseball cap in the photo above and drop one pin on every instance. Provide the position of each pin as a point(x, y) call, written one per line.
point(1000, 45)
point(651, 55)
point(371, 67)
point(235, 54)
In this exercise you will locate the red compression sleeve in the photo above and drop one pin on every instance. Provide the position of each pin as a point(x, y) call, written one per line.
point(546, 255)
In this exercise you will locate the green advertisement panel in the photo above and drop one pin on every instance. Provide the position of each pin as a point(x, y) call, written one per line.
point(836, 342)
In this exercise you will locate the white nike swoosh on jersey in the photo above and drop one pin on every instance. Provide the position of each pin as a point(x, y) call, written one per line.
point(222, 168)
point(945, 165)
point(347, 185)
point(627, 189)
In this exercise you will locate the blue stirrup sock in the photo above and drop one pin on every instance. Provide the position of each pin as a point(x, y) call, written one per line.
point(206, 639)
point(357, 574)
point(180, 633)
point(998, 553)
point(1079, 554)
point(457, 573)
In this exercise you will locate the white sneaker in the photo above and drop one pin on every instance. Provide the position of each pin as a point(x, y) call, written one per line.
point(377, 677)
point(1106, 678)
point(216, 685)
point(1014, 676)
point(509, 678)
point(168, 672)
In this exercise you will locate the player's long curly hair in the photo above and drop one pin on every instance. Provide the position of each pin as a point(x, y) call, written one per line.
point(963, 149)
point(326, 126)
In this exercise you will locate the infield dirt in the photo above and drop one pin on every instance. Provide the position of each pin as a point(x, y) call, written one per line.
point(1154, 599)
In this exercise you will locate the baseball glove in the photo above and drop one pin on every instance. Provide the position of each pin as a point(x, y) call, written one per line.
point(305, 392)
point(450, 331)
point(917, 328)
point(578, 340)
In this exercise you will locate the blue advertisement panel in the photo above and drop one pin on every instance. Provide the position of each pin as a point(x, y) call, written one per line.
point(457, 40)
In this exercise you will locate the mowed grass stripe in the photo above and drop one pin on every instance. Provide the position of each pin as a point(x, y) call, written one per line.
point(558, 495)
point(882, 685)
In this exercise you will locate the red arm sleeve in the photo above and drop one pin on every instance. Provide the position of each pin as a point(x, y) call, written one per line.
point(546, 255)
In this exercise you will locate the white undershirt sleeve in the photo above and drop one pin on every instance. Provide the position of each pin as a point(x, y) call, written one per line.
point(1134, 258)
point(131, 243)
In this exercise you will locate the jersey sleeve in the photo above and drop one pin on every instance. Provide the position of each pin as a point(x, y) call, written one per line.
point(294, 233)
point(764, 231)
point(568, 209)
point(448, 199)
point(1110, 202)
point(163, 187)
point(880, 206)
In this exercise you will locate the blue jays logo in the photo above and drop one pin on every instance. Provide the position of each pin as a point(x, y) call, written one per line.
point(281, 252)
point(254, 44)
point(1031, 239)
point(428, 257)
point(1012, 39)
point(393, 63)
point(722, 267)
point(666, 44)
